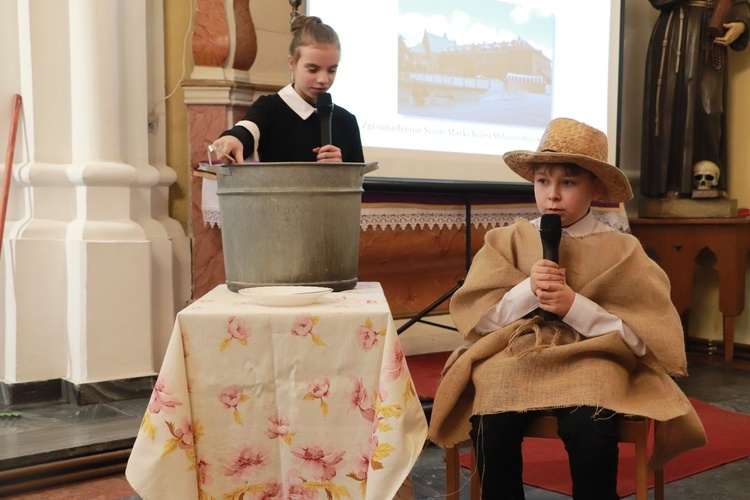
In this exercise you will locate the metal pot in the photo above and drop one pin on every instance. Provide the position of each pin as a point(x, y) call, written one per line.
point(290, 223)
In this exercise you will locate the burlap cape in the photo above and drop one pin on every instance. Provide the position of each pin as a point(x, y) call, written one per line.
point(547, 364)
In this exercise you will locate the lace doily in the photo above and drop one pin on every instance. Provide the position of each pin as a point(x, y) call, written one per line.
point(210, 203)
point(418, 218)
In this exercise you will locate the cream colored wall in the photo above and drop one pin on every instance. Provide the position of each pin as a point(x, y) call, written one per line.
point(177, 65)
point(705, 320)
point(738, 110)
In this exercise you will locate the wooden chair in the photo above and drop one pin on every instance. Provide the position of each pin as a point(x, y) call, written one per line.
point(632, 430)
point(426, 368)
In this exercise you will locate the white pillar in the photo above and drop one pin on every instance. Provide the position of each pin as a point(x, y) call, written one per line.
point(41, 203)
point(93, 268)
point(108, 253)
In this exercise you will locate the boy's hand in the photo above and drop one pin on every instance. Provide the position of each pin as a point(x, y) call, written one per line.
point(549, 286)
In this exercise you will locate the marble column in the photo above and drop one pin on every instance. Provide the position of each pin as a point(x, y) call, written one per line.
point(240, 52)
point(217, 94)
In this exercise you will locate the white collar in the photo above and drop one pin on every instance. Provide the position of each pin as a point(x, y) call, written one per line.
point(292, 99)
point(583, 227)
point(586, 225)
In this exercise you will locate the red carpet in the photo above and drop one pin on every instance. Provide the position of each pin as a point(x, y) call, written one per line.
point(425, 372)
point(546, 463)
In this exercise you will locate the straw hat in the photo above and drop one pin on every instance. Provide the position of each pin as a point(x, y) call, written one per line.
point(569, 141)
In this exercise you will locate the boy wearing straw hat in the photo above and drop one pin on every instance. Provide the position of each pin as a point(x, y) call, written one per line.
point(613, 351)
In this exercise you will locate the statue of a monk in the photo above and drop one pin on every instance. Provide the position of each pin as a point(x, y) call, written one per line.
point(684, 94)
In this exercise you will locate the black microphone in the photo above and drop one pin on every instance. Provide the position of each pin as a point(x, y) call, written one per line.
point(550, 231)
point(325, 110)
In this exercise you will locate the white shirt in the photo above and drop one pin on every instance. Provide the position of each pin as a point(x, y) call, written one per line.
point(585, 316)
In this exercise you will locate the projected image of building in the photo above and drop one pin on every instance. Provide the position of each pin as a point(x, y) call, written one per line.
point(479, 82)
point(506, 82)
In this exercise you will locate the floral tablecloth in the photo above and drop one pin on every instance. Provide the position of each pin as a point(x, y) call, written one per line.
point(301, 402)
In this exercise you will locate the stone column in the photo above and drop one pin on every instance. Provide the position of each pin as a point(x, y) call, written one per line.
point(40, 206)
point(239, 50)
point(217, 94)
point(108, 253)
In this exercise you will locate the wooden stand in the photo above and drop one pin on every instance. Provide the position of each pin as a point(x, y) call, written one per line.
point(677, 243)
point(700, 207)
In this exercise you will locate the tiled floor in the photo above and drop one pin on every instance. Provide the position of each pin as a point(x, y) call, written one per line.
point(78, 428)
point(108, 488)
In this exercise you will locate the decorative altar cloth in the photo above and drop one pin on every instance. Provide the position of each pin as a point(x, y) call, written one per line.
point(310, 401)
point(414, 216)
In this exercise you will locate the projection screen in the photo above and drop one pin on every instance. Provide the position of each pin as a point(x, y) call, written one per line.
point(441, 89)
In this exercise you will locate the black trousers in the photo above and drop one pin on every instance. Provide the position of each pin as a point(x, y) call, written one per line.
point(590, 436)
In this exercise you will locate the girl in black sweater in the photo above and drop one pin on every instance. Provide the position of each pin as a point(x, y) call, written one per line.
point(285, 126)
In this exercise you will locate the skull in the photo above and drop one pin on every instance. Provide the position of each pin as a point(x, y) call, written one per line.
point(706, 175)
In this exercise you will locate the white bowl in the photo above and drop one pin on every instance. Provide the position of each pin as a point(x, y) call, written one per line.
point(285, 296)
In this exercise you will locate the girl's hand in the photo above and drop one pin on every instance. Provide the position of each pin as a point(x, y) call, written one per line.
point(328, 153)
point(227, 145)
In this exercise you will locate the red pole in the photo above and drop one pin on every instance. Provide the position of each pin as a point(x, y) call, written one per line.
point(9, 163)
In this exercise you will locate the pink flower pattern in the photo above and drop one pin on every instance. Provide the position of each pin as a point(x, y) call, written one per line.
point(366, 337)
point(204, 473)
point(278, 426)
point(319, 388)
point(394, 363)
point(273, 491)
point(238, 329)
point(321, 461)
point(360, 399)
point(184, 433)
point(303, 325)
point(363, 460)
point(161, 398)
point(243, 464)
point(231, 396)
point(293, 489)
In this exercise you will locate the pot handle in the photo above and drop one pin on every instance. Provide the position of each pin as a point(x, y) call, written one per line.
point(214, 169)
point(369, 167)
point(218, 169)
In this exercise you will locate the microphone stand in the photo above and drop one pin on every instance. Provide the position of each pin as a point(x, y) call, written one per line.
point(419, 317)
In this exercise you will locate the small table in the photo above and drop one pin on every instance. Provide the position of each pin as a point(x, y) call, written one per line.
point(677, 243)
point(313, 399)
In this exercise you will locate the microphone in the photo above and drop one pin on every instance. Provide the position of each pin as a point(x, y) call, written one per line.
point(550, 231)
point(324, 106)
